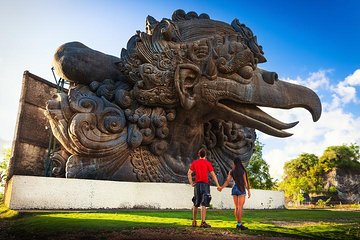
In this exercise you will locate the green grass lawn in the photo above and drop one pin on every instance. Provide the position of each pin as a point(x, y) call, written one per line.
point(309, 224)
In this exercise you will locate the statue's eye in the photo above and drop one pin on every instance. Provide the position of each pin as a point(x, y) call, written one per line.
point(246, 72)
point(148, 70)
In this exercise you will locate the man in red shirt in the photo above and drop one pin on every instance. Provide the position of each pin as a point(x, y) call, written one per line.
point(201, 167)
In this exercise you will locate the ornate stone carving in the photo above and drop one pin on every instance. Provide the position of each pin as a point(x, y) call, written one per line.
point(58, 163)
point(185, 82)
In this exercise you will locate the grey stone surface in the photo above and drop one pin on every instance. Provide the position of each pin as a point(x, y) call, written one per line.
point(347, 184)
point(78, 63)
point(31, 138)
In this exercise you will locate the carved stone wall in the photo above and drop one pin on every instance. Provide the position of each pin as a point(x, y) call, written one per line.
point(32, 130)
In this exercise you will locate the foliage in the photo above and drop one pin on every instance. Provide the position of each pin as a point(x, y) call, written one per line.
point(300, 176)
point(6, 213)
point(332, 190)
point(343, 156)
point(322, 203)
point(4, 164)
point(307, 172)
point(258, 170)
point(304, 224)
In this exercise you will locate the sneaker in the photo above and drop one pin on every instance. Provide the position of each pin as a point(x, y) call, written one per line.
point(193, 223)
point(241, 227)
point(205, 225)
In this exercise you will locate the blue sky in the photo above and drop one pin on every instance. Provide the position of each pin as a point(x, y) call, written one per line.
point(315, 43)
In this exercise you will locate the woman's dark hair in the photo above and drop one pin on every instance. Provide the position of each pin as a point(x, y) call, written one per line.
point(237, 161)
point(238, 169)
point(202, 153)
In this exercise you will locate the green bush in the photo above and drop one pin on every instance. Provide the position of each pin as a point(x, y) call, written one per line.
point(4, 164)
point(322, 203)
point(332, 190)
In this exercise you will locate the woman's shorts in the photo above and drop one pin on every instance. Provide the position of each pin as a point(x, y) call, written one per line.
point(235, 191)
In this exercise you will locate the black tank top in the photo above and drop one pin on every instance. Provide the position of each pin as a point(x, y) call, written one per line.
point(239, 179)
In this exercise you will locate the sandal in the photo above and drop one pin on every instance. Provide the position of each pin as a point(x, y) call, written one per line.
point(193, 223)
point(241, 227)
point(205, 225)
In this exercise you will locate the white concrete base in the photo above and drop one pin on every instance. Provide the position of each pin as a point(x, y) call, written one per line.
point(29, 192)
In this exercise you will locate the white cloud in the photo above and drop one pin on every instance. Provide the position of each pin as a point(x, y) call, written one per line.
point(353, 79)
point(276, 158)
point(346, 90)
point(334, 104)
point(335, 127)
point(340, 127)
point(314, 81)
point(318, 79)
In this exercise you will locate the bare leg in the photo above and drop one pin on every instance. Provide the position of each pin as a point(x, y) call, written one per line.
point(236, 203)
point(195, 210)
point(241, 201)
point(203, 213)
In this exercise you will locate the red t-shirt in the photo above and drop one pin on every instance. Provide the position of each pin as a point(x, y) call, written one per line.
point(201, 167)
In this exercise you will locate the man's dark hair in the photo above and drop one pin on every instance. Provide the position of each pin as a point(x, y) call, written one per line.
point(202, 153)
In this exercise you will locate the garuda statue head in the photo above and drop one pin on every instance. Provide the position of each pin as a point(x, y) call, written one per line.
point(185, 82)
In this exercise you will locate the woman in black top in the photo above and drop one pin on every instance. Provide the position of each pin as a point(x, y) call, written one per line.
point(239, 174)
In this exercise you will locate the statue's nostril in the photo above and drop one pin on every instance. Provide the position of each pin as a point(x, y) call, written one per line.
point(276, 77)
point(269, 77)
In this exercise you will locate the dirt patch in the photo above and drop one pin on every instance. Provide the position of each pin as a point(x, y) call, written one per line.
point(153, 234)
point(293, 224)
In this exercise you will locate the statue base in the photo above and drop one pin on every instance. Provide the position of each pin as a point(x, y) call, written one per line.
point(47, 193)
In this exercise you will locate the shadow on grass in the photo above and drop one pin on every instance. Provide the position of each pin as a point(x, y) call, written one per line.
point(45, 227)
point(280, 223)
point(320, 230)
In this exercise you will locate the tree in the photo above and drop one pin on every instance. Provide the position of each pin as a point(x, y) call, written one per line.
point(4, 164)
point(343, 156)
point(258, 170)
point(307, 173)
point(300, 177)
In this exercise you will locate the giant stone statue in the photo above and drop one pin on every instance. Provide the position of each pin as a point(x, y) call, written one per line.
point(186, 82)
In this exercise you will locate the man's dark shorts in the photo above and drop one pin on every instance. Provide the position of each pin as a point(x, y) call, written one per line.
point(201, 194)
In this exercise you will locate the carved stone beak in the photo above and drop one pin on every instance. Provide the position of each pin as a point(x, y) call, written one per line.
point(265, 90)
point(271, 92)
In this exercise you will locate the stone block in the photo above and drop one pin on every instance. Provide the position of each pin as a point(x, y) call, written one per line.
point(29, 192)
